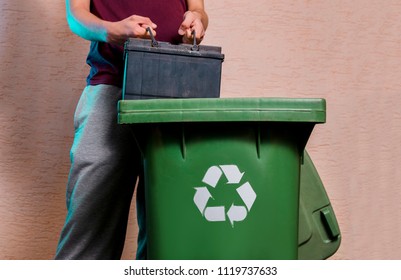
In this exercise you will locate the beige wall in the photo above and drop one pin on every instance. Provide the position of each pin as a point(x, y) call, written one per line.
point(348, 52)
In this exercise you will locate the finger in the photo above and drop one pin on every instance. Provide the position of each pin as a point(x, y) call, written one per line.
point(189, 34)
point(143, 33)
point(187, 37)
point(145, 21)
point(186, 23)
point(147, 34)
point(199, 31)
point(138, 22)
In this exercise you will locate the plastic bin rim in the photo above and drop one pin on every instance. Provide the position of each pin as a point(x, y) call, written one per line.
point(222, 110)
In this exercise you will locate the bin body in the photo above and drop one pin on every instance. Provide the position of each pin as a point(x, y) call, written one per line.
point(222, 176)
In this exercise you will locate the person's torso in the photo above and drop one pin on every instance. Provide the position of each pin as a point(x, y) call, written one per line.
point(106, 60)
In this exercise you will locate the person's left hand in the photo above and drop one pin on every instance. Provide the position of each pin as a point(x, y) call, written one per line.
point(191, 22)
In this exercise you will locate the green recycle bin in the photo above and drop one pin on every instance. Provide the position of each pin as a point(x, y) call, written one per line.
point(222, 176)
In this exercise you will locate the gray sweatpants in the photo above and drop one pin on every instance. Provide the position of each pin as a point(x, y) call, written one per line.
point(105, 165)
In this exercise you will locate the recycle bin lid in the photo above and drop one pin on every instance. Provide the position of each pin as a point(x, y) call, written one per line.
point(222, 110)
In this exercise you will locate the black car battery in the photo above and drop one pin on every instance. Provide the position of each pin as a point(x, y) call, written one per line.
point(162, 70)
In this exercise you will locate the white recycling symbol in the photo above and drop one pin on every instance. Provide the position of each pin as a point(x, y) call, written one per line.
point(235, 213)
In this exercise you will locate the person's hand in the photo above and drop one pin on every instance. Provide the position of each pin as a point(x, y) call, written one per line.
point(192, 22)
point(130, 27)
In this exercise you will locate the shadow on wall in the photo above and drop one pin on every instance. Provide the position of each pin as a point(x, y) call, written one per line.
point(42, 75)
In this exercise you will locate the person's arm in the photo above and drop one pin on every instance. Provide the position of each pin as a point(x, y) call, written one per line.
point(194, 19)
point(88, 26)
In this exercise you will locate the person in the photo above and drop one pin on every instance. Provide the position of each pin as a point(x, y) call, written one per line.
point(105, 162)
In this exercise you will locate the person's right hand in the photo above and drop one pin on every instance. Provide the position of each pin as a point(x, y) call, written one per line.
point(133, 26)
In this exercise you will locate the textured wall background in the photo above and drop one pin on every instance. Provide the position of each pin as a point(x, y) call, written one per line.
point(348, 52)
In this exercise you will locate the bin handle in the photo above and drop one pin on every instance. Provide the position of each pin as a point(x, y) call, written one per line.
point(154, 43)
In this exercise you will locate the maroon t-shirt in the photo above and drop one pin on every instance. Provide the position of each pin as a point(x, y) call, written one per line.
point(106, 60)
